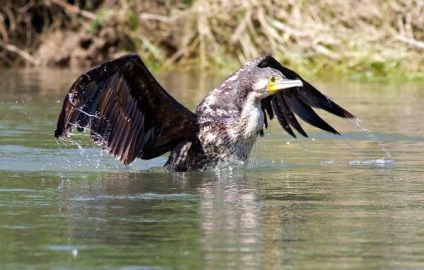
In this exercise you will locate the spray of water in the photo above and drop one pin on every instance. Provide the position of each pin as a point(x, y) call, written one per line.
point(364, 159)
point(357, 123)
point(254, 155)
point(386, 161)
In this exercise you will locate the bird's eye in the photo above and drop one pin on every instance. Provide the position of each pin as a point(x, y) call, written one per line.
point(272, 79)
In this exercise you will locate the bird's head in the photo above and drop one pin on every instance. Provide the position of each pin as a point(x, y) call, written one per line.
point(247, 86)
point(268, 81)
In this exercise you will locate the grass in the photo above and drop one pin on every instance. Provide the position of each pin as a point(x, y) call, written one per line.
point(353, 38)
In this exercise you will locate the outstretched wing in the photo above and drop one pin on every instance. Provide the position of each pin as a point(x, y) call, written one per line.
point(126, 110)
point(298, 101)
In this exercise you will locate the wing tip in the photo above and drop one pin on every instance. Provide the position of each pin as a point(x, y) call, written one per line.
point(57, 134)
point(348, 115)
point(61, 133)
point(336, 133)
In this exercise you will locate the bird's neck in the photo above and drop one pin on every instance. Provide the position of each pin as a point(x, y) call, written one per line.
point(249, 122)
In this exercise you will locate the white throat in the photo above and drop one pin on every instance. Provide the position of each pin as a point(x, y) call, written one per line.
point(251, 120)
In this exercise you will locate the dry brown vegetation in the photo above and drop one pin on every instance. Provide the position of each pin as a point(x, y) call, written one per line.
point(371, 37)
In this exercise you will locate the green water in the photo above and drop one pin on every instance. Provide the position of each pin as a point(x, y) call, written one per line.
point(329, 202)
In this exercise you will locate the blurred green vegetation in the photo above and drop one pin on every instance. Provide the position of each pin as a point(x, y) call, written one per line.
point(374, 39)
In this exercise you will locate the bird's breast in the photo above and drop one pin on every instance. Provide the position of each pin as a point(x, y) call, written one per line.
point(231, 139)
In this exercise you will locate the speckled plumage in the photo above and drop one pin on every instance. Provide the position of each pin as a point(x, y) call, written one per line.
point(131, 115)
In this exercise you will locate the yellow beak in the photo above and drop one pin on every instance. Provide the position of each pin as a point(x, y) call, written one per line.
point(279, 85)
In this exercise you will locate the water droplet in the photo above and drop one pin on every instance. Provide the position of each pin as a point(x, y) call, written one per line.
point(357, 123)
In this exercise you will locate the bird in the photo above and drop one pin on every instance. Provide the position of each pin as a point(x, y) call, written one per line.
point(130, 115)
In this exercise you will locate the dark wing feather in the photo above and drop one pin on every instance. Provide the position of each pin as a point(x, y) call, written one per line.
point(282, 119)
point(305, 112)
point(288, 114)
point(298, 101)
point(127, 111)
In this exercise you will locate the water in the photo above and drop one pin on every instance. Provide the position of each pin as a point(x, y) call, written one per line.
point(349, 202)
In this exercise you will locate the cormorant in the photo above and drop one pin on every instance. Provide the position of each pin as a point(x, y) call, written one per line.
point(130, 115)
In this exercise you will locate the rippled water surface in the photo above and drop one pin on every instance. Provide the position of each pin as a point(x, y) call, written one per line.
point(343, 202)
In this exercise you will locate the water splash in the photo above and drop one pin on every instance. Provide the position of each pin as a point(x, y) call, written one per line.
point(79, 153)
point(253, 159)
point(80, 148)
point(378, 162)
point(305, 149)
point(356, 122)
point(89, 159)
point(365, 159)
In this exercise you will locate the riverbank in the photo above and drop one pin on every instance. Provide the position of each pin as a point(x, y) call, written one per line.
point(373, 39)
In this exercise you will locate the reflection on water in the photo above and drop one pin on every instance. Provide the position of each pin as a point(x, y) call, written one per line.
point(236, 219)
point(326, 202)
